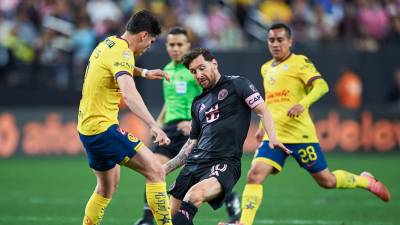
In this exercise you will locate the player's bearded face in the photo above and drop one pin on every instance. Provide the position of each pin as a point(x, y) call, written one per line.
point(177, 45)
point(279, 44)
point(204, 72)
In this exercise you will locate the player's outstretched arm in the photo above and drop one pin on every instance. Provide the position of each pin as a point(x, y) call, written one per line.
point(135, 103)
point(156, 74)
point(268, 125)
point(182, 156)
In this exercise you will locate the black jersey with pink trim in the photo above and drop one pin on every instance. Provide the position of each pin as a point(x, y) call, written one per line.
point(221, 118)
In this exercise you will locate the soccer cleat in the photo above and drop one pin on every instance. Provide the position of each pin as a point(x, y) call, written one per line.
point(143, 222)
point(377, 187)
point(233, 207)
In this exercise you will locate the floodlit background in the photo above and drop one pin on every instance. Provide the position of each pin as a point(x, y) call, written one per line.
point(44, 47)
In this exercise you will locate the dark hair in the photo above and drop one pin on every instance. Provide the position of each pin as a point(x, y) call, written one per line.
point(178, 30)
point(281, 26)
point(143, 21)
point(194, 53)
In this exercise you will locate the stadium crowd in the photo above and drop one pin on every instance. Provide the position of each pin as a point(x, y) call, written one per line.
point(48, 42)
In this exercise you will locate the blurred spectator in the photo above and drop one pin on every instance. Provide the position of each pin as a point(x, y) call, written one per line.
point(8, 6)
point(19, 40)
point(105, 15)
point(373, 18)
point(196, 21)
point(101, 10)
point(83, 42)
point(322, 26)
point(231, 36)
point(302, 19)
point(274, 11)
point(348, 28)
point(394, 32)
point(53, 56)
point(46, 37)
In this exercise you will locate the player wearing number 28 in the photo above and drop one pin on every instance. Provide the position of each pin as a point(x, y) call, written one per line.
point(292, 84)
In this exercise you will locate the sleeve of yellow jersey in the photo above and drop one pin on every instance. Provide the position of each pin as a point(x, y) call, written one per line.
point(307, 71)
point(121, 61)
point(311, 77)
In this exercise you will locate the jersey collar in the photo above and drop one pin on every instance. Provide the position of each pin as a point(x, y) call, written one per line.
point(120, 38)
point(274, 63)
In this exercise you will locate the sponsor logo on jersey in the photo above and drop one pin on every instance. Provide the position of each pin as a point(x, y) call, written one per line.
point(124, 64)
point(222, 94)
point(212, 114)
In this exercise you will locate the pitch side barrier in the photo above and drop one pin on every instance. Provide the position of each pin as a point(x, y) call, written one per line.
point(50, 131)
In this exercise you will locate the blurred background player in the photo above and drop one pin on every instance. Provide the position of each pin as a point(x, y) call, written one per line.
point(292, 84)
point(213, 158)
point(108, 77)
point(175, 115)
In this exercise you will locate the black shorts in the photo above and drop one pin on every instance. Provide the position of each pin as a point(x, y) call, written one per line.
point(226, 172)
point(177, 141)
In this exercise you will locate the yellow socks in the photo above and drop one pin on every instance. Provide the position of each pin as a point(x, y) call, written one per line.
point(159, 202)
point(94, 210)
point(345, 179)
point(251, 200)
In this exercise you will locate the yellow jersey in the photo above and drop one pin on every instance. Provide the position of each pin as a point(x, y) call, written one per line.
point(285, 85)
point(98, 108)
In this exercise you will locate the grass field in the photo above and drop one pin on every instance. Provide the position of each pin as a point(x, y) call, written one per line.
point(54, 191)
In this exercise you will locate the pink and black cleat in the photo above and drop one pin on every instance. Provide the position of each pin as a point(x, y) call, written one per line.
point(377, 187)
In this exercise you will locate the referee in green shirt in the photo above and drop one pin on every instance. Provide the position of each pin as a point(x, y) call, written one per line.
point(175, 115)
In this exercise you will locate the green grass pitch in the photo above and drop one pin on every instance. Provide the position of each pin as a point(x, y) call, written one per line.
point(54, 191)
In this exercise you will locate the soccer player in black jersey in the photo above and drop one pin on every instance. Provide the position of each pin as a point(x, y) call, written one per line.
point(220, 120)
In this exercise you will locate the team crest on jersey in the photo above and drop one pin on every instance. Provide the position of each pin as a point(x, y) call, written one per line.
point(285, 67)
point(126, 54)
point(222, 94)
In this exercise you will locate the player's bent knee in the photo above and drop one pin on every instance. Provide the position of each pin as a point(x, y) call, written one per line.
point(327, 183)
point(106, 190)
point(196, 195)
point(155, 173)
point(255, 176)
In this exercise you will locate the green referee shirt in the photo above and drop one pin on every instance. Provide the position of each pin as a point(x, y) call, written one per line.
point(179, 92)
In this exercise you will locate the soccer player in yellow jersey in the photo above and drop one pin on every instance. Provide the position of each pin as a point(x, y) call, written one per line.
point(291, 85)
point(109, 76)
